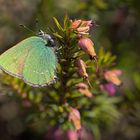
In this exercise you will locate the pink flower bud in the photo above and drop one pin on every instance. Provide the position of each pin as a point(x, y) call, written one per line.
point(87, 23)
point(81, 86)
point(83, 89)
point(72, 135)
point(74, 116)
point(80, 64)
point(112, 76)
point(83, 30)
point(87, 46)
point(117, 72)
point(109, 88)
point(82, 26)
point(75, 24)
point(82, 23)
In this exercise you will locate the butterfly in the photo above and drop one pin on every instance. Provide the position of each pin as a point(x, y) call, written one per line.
point(32, 60)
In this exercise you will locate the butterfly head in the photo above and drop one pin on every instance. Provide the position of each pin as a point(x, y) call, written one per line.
point(47, 37)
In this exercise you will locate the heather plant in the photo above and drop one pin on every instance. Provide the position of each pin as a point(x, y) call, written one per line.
point(84, 95)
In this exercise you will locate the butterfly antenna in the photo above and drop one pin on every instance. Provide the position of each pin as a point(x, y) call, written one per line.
point(27, 28)
point(37, 24)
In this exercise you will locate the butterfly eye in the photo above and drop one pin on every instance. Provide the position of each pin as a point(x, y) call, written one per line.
point(51, 42)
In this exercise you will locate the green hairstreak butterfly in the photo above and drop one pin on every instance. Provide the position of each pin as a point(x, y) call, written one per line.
point(32, 60)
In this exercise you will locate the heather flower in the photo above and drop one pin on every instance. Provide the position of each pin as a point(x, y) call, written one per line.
point(81, 68)
point(109, 88)
point(87, 46)
point(83, 30)
point(72, 135)
point(74, 116)
point(75, 24)
point(83, 89)
point(81, 86)
point(112, 76)
point(82, 26)
point(82, 23)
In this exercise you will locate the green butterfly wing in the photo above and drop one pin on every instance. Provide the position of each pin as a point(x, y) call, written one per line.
point(13, 59)
point(39, 68)
point(30, 60)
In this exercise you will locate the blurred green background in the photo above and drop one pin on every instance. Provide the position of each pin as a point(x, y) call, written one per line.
point(118, 31)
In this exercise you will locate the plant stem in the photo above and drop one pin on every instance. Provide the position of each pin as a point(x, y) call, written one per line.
point(65, 65)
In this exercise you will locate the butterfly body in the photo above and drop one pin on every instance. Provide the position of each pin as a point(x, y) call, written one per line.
point(31, 60)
